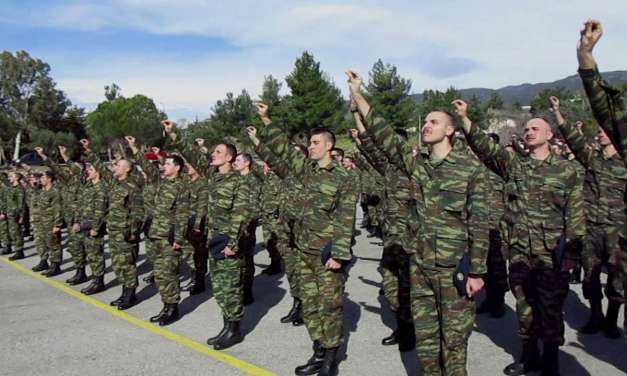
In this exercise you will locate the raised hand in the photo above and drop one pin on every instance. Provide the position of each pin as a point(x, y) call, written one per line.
point(199, 141)
point(354, 81)
point(252, 134)
point(130, 140)
point(461, 108)
point(355, 135)
point(262, 109)
point(555, 106)
point(589, 36)
point(168, 126)
point(85, 143)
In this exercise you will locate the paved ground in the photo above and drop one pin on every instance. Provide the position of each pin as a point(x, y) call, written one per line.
point(44, 330)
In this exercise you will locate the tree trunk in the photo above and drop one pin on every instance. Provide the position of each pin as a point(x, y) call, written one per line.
point(18, 140)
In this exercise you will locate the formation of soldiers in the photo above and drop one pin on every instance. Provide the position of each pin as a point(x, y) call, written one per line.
point(450, 211)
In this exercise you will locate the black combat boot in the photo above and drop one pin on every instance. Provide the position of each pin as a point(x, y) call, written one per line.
point(248, 295)
point(213, 339)
point(296, 303)
point(149, 279)
point(610, 329)
point(298, 317)
point(232, 336)
point(129, 299)
point(199, 285)
point(17, 256)
point(117, 301)
point(529, 360)
point(273, 269)
point(390, 340)
point(43, 265)
point(170, 315)
point(406, 336)
point(330, 363)
point(55, 269)
point(159, 315)
point(550, 360)
point(595, 322)
point(79, 277)
point(190, 284)
point(314, 364)
point(97, 285)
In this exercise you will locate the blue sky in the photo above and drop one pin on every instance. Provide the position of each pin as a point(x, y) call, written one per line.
point(187, 54)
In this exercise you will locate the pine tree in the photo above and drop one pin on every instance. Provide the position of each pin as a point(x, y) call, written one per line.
point(389, 95)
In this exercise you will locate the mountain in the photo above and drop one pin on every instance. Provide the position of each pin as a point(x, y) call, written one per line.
point(525, 93)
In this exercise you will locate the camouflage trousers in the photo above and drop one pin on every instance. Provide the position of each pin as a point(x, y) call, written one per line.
point(166, 268)
point(50, 243)
point(76, 247)
point(246, 248)
point(443, 321)
point(291, 262)
point(5, 239)
point(271, 239)
point(226, 280)
point(40, 245)
point(94, 250)
point(496, 278)
point(149, 248)
point(15, 234)
point(322, 294)
point(540, 293)
point(601, 248)
point(396, 284)
point(123, 258)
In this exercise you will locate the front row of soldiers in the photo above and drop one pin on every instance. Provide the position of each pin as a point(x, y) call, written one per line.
point(440, 230)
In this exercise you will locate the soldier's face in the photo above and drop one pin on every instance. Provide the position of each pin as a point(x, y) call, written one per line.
point(240, 163)
point(348, 163)
point(170, 169)
point(191, 171)
point(319, 147)
point(91, 172)
point(437, 127)
point(603, 139)
point(13, 178)
point(220, 155)
point(45, 180)
point(537, 133)
point(121, 168)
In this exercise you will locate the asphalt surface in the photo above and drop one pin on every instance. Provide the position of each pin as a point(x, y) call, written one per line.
point(44, 330)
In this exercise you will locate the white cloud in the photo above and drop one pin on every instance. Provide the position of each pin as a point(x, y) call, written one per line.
point(437, 44)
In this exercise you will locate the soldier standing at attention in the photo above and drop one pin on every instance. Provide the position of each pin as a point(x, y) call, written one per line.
point(447, 269)
point(124, 220)
point(544, 224)
point(323, 232)
point(51, 220)
point(13, 213)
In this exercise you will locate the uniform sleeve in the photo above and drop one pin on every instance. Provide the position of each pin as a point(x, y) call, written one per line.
point(388, 141)
point(238, 213)
point(374, 155)
point(608, 108)
point(493, 155)
point(201, 206)
point(575, 218)
point(278, 143)
point(57, 209)
point(100, 206)
point(577, 143)
point(136, 209)
point(478, 214)
point(182, 213)
point(344, 220)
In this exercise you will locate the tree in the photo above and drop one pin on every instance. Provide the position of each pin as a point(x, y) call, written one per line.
point(137, 116)
point(495, 102)
point(477, 112)
point(29, 99)
point(389, 94)
point(313, 101)
point(112, 92)
point(433, 99)
point(540, 102)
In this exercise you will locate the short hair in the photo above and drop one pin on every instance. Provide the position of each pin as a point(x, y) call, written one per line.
point(495, 137)
point(50, 174)
point(177, 160)
point(330, 137)
point(446, 112)
point(247, 157)
point(231, 149)
point(338, 151)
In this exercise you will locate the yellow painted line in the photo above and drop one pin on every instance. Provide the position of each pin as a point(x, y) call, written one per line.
point(202, 348)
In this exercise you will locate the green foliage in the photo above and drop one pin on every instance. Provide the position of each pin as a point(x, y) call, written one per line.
point(434, 99)
point(495, 102)
point(541, 101)
point(313, 101)
point(113, 119)
point(389, 94)
point(49, 140)
point(476, 111)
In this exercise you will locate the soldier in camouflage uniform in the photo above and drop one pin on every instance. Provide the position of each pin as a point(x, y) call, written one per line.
point(90, 225)
point(124, 221)
point(270, 192)
point(4, 227)
point(251, 184)
point(544, 225)
point(13, 214)
point(608, 107)
point(451, 198)
point(50, 214)
point(396, 256)
point(323, 232)
point(33, 202)
point(604, 192)
point(70, 183)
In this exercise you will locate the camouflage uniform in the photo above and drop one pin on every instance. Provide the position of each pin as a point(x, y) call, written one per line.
point(543, 216)
point(195, 252)
point(124, 219)
point(13, 206)
point(608, 107)
point(4, 226)
point(32, 200)
point(325, 220)
point(50, 215)
point(91, 214)
point(270, 195)
point(250, 183)
point(451, 199)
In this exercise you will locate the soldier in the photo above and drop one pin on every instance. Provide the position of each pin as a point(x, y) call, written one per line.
point(13, 214)
point(90, 224)
point(50, 221)
point(544, 224)
point(446, 271)
point(32, 194)
point(604, 189)
point(608, 108)
point(250, 183)
point(270, 196)
point(4, 226)
point(124, 221)
point(323, 231)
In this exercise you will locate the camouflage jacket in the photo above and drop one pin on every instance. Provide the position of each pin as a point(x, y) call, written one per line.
point(608, 108)
point(605, 179)
point(14, 202)
point(70, 183)
point(171, 210)
point(49, 207)
point(544, 202)
point(252, 185)
point(198, 196)
point(326, 207)
point(93, 205)
point(451, 202)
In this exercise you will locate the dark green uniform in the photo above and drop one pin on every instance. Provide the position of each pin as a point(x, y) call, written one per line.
point(13, 206)
point(91, 215)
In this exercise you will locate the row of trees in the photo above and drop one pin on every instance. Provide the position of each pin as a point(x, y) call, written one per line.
point(34, 112)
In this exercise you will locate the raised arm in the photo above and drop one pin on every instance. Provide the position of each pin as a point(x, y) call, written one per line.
point(575, 139)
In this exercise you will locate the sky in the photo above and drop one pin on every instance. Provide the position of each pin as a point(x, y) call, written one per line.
point(187, 54)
